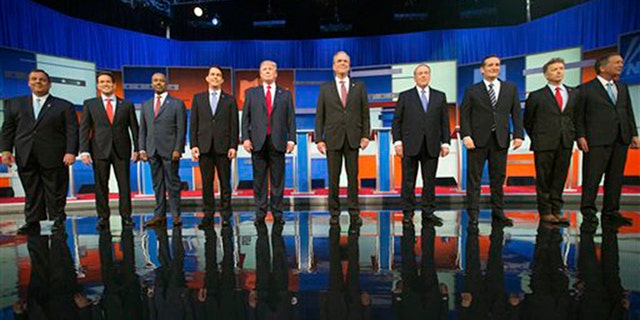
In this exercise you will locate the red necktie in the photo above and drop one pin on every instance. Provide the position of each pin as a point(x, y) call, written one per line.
point(269, 108)
point(559, 98)
point(343, 94)
point(109, 110)
point(157, 108)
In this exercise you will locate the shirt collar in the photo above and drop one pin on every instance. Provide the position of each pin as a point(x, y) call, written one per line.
point(43, 98)
point(604, 81)
point(346, 80)
point(495, 82)
point(162, 95)
point(112, 97)
point(264, 85)
point(216, 91)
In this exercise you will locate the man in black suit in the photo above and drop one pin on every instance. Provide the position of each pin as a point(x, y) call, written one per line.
point(342, 126)
point(214, 141)
point(105, 141)
point(44, 131)
point(268, 131)
point(162, 134)
point(484, 126)
point(421, 123)
point(605, 126)
point(548, 118)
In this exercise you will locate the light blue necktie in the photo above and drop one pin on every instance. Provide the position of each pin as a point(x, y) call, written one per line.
point(423, 98)
point(612, 95)
point(214, 102)
point(37, 108)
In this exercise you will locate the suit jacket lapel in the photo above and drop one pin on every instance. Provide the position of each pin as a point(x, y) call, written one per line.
point(29, 102)
point(352, 87)
point(603, 92)
point(164, 105)
point(336, 94)
point(278, 95)
point(206, 101)
point(551, 99)
point(45, 107)
point(485, 95)
point(102, 110)
point(418, 101)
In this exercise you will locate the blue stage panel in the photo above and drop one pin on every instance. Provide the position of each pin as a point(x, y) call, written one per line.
point(15, 66)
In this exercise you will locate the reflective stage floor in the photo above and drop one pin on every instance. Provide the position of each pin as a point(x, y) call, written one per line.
point(307, 269)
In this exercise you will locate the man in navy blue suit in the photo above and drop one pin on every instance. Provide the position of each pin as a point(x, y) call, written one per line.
point(268, 132)
point(43, 129)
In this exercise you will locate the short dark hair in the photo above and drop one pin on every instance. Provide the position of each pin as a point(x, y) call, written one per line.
point(106, 73)
point(43, 72)
point(217, 67)
point(603, 60)
point(484, 60)
point(550, 62)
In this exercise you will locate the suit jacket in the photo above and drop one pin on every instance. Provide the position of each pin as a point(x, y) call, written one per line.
point(211, 132)
point(53, 134)
point(412, 125)
point(597, 119)
point(547, 126)
point(165, 133)
point(333, 122)
point(254, 118)
point(477, 116)
point(99, 137)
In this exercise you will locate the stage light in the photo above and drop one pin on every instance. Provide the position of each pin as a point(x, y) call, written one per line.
point(197, 11)
point(215, 21)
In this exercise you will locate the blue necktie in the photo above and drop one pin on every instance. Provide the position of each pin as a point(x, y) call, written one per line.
point(425, 102)
point(37, 108)
point(612, 95)
point(214, 102)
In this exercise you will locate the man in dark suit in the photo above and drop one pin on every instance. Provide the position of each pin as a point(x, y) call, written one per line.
point(162, 134)
point(484, 126)
point(548, 118)
point(44, 131)
point(214, 140)
point(105, 141)
point(421, 123)
point(268, 131)
point(605, 126)
point(342, 126)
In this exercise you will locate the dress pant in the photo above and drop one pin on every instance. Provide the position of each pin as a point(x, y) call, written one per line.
point(101, 172)
point(552, 167)
point(164, 174)
point(268, 161)
point(608, 161)
point(476, 158)
point(209, 162)
point(334, 162)
point(428, 167)
point(45, 190)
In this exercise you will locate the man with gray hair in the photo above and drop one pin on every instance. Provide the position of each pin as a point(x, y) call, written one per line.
point(421, 134)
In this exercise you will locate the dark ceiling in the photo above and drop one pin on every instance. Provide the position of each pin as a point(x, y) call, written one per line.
point(304, 19)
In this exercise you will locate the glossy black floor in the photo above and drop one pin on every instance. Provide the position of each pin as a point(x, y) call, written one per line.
point(308, 269)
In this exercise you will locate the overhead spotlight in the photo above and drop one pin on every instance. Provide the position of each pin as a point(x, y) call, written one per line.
point(215, 21)
point(197, 11)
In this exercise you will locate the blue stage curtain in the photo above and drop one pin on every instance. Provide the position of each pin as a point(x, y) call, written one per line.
point(30, 26)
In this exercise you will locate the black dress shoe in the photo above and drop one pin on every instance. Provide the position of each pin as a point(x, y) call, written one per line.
point(473, 218)
point(617, 219)
point(502, 219)
point(103, 224)
point(206, 223)
point(355, 220)
point(431, 219)
point(334, 220)
point(156, 222)
point(278, 221)
point(259, 222)
point(29, 228)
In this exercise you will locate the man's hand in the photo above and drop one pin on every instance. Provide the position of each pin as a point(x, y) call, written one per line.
point(635, 142)
point(290, 146)
point(322, 147)
point(247, 145)
point(144, 156)
point(364, 143)
point(231, 154)
point(583, 144)
point(7, 158)
point(69, 159)
point(468, 142)
point(86, 159)
point(444, 151)
point(517, 143)
point(398, 148)
point(135, 157)
point(202, 294)
point(195, 153)
point(175, 156)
